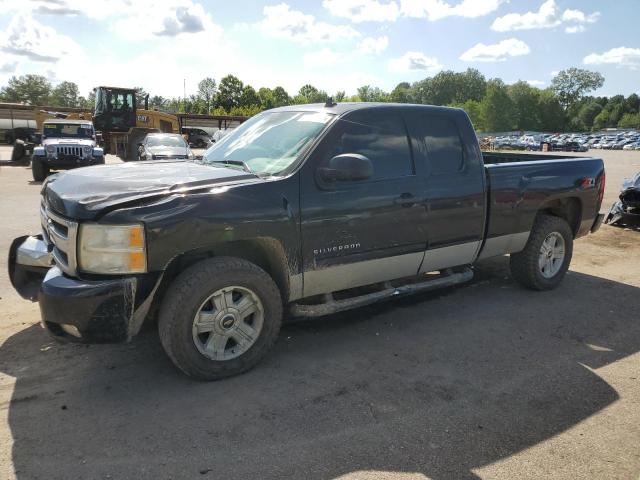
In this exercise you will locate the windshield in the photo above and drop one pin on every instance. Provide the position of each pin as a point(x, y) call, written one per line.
point(269, 142)
point(165, 141)
point(71, 130)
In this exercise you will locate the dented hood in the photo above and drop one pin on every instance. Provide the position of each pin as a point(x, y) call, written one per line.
point(84, 193)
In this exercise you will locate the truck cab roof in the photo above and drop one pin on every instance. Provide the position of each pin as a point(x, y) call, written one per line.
point(345, 107)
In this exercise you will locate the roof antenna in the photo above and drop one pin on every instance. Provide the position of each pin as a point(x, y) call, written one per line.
point(330, 102)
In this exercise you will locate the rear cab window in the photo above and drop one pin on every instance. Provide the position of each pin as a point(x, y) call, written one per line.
point(441, 139)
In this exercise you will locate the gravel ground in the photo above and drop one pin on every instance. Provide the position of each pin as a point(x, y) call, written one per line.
point(484, 381)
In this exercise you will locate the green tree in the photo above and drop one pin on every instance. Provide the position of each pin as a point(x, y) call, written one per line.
point(474, 110)
point(29, 89)
point(372, 94)
point(402, 93)
point(249, 97)
point(630, 120)
point(158, 102)
point(572, 84)
point(339, 96)
point(472, 85)
point(280, 97)
point(90, 101)
point(632, 104)
point(588, 112)
point(140, 96)
point(550, 111)
point(207, 88)
point(525, 103)
point(229, 92)
point(497, 109)
point(602, 120)
point(65, 94)
point(266, 98)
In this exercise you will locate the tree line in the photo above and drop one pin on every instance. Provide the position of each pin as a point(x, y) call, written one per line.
point(492, 105)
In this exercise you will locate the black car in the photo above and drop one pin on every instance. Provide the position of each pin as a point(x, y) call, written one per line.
point(197, 137)
point(308, 208)
point(164, 146)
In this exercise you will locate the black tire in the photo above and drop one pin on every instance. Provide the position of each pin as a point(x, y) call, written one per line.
point(186, 295)
point(200, 143)
point(99, 161)
point(524, 264)
point(18, 152)
point(39, 169)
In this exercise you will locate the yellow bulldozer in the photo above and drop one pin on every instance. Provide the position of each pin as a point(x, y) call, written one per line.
point(121, 125)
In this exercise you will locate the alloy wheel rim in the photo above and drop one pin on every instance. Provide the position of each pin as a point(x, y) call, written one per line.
point(228, 323)
point(552, 252)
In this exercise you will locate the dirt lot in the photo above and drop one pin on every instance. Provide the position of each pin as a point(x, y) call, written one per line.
point(483, 381)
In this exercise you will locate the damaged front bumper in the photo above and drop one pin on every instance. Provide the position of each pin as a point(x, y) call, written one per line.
point(622, 214)
point(85, 310)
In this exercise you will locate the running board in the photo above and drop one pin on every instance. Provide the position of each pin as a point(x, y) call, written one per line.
point(333, 306)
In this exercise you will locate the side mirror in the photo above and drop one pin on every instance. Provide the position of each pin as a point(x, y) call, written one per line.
point(347, 167)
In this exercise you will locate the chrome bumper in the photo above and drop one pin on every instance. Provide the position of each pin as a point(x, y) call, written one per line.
point(33, 252)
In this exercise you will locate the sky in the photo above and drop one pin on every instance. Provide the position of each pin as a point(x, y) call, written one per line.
point(165, 46)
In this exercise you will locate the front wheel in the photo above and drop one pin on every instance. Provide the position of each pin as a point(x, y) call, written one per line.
point(546, 257)
point(219, 318)
point(39, 169)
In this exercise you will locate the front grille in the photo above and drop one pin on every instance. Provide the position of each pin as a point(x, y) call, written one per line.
point(69, 151)
point(169, 157)
point(60, 234)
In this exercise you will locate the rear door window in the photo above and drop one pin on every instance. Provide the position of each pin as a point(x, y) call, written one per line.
point(444, 146)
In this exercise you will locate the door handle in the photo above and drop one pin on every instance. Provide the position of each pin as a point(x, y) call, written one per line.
point(406, 200)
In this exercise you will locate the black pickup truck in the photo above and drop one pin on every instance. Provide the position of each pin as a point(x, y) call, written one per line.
point(306, 210)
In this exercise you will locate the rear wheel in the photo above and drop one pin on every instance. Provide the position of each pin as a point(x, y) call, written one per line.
point(546, 257)
point(219, 318)
point(39, 169)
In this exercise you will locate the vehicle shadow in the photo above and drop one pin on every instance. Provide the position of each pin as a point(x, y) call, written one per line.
point(438, 384)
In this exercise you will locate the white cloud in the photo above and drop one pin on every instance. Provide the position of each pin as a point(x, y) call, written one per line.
point(131, 20)
point(414, 61)
point(547, 16)
point(438, 9)
point(8, 67)
point(621, 56)
point(536, 83)
point(371, 45)
point(322, 58)
point(363, 10)
point(497, 52)
point(282, 22)
point(58, 7)
point(29, 39)
point(144, 20)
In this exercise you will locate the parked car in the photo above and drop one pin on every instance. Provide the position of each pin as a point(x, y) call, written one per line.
point(626, 211)
point(66, 144)
point(197, 137)
point(164, 146)
point(312, 208)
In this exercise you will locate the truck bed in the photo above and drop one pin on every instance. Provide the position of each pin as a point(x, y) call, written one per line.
point(519, 185)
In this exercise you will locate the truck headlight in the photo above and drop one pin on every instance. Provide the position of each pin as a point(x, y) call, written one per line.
point(87, 150)
point(51, 149)
point(112, 249)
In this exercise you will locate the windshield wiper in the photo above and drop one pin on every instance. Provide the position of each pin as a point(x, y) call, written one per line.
point(240, 163)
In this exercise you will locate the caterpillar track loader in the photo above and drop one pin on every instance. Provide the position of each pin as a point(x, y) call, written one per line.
point(121, 125)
